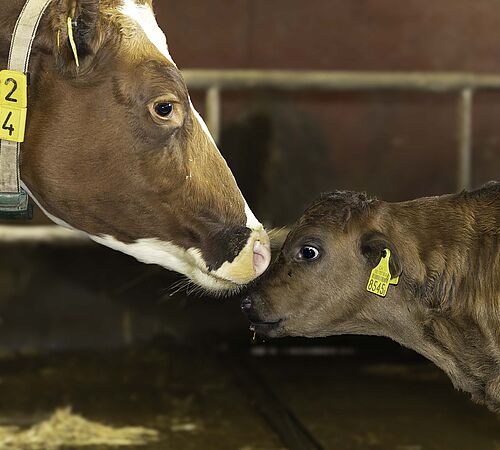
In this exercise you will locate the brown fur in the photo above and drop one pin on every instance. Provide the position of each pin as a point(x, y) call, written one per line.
point(95, 158)
point(447, 304)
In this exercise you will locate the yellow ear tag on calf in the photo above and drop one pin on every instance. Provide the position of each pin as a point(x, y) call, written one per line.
point(13, 105)
point(380, 278)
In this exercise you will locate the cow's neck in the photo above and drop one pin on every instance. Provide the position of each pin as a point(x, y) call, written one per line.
point(10, 13)
point(40, 64)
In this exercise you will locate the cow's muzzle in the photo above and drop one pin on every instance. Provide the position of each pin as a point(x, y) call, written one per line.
point(251, 262)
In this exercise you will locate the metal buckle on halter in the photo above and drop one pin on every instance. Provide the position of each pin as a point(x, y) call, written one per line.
point(15, 205)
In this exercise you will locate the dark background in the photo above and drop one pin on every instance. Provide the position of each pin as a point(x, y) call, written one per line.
point(286, 148)
point(394, 145)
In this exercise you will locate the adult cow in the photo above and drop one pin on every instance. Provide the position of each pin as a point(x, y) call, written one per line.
point(115, 148)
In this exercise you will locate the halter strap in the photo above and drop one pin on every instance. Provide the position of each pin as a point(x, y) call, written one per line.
point(13, 200)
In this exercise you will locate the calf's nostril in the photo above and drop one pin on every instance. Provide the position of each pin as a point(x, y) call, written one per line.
point(246, 304)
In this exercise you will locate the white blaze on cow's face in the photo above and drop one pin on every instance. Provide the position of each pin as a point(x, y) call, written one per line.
point(144, 17)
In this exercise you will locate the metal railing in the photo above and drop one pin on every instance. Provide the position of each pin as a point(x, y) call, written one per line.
point(214, 82)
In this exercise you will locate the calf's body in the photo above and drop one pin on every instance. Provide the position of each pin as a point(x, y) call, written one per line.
point(446, 306)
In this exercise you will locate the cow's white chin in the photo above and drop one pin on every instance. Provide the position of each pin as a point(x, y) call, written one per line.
point(229, 278)
point(211, 284)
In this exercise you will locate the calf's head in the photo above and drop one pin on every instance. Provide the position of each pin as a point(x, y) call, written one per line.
point(115, 148)
point(317, 284)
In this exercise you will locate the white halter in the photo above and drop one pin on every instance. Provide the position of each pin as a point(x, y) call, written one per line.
point(13, 200)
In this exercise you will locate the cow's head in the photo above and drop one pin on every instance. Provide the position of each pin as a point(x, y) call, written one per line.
point(317, 284)
point(115, 148)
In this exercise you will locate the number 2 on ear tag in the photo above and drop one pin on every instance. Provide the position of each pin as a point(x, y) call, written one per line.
point(13, 105)
point(380, 277)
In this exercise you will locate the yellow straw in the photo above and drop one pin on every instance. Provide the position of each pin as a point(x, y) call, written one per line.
point(72, 40)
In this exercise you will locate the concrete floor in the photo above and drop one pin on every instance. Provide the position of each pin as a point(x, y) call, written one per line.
point(351, 393)
point(193, 398)
point(355, 406)
point(190, 399)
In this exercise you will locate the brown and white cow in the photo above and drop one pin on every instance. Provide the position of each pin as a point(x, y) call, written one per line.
point(115, 148)
point(446, 306)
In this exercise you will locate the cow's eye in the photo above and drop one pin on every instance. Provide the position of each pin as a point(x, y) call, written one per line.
point(308, 253)
point(164, 109)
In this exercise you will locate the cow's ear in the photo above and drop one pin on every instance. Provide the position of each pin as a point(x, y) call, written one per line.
point(373, 245)
point(77, 33)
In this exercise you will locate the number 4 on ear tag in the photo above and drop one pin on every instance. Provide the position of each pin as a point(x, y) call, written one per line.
point(13, 105)
point(380, 278)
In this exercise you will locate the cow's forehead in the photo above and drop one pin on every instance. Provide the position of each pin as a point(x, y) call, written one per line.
point(141, 25)
point(141, 17)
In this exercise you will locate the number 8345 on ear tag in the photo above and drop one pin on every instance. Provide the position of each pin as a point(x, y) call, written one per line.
point(13, 105)
point(380, 277)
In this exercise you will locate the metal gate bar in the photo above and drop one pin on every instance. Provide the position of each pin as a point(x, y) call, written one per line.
point(216, 81)
point(339, 80)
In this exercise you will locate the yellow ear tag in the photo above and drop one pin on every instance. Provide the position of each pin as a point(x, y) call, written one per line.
point(13, 105)
point(72, 41)
point(380, 277)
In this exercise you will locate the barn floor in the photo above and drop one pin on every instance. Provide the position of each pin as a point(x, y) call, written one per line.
point(197, 399)
point(187, 369)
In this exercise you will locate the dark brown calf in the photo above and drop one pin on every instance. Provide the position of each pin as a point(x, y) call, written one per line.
point(446, 305)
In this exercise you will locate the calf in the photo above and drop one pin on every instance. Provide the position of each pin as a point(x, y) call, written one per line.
point(445, 303)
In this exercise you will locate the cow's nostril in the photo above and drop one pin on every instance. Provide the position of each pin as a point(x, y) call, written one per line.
point(246, 304)
point(261, 257)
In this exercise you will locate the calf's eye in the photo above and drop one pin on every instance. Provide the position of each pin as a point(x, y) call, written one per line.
point(164, 110)
point(308, 253)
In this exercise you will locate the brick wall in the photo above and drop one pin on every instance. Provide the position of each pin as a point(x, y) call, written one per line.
point(396, 145)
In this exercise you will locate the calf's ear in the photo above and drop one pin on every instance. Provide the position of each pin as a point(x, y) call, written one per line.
point(372, 246)
point(77, 34)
